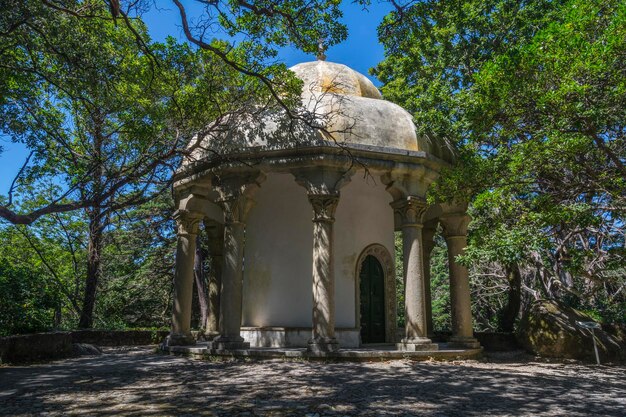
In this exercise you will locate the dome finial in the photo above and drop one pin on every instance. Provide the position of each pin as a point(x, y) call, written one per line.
point(321, 48)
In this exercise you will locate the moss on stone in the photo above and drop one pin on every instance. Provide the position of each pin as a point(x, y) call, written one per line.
point(549, 329)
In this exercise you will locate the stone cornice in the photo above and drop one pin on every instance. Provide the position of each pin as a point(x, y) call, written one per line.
point(377, 159)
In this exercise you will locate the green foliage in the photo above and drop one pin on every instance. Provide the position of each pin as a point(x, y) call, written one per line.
point(399, 263)
point(108, 115)
point(138, 266)
point(37, 276)
point(440, 286)
point(433, 49)
point(42, 269)
point(26, 305)
point(532, 95)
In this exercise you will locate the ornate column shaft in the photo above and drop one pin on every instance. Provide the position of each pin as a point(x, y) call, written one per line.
point(410, 211)
point(236, 201)
point(323, 335)
point(235, 212)
point(322, 185)
point(187, 223)
point(216, 247)
point(428, 234)
point(455, 233)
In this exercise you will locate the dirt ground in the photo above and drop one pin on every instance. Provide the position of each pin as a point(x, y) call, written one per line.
point(140, 382)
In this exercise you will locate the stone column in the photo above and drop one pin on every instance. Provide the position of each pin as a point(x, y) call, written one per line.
point(322, 185)
point(236, 202)
point(410, 210)
point(323, 334)
point(428, 234)
point(215, 234)
point(455, 233)
point(187, 223)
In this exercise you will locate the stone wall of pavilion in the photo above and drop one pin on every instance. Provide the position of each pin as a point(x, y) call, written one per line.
point(278, 251)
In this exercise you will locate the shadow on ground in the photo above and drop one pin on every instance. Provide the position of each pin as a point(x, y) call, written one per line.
point(144, 383)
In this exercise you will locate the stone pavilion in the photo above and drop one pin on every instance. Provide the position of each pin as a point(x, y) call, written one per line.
point(302, 230)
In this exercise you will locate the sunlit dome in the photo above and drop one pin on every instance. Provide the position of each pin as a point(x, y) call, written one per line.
point(345, 104)
point(362, 116)
point(322, 76)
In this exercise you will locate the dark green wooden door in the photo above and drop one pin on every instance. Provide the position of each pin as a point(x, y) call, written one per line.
point(372, 301)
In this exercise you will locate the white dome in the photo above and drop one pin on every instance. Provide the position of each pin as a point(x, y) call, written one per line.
point(322, 76)
point(357, 112)
point(343, 104)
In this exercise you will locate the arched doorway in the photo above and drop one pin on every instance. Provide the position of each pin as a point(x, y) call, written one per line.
point(372, 291)
point(384, 263)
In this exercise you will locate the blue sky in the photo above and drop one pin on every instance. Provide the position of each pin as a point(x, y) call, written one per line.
point(360, 51)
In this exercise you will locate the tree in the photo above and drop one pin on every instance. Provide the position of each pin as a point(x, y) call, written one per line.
point(137, 267)
point(41, 274)
point(556, 104)
point(42, 270)
point(39, 49)
point(109, 114)
point(434, 48)
point(532, 95)
point(97, 121)
point(101, 117)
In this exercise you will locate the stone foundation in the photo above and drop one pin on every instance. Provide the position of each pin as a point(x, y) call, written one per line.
point(294, 337)
point(380, 353)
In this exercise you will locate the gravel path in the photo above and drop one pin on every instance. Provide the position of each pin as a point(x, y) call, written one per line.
point(139, 382)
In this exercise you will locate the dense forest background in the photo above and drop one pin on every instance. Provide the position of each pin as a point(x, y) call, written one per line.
point(532, 95)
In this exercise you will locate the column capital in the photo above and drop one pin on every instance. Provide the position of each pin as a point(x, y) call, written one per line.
point(410, 210)
point(187, 221)
point(236, 209)
point(324, 206)
point(455, 225)
point(236, 194)
point(415, 181)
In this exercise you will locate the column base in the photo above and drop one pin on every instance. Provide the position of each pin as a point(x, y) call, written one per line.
point(323, 345)
point(211, 335)
point(229, 343)
point(177, 339)
point(463, 342)
point(416, 345)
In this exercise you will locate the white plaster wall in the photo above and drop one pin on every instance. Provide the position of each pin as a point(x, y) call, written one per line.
point(363, 217)
point(278, 256)
point(279, 243)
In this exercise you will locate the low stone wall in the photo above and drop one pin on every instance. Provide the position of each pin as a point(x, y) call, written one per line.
point(35, 347)
point(55, 345)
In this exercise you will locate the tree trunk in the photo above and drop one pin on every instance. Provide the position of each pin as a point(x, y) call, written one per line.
point(201, 285)
point(58, 317)
point(511, 310)
point(96, 228)
point(94, 251)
